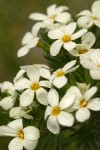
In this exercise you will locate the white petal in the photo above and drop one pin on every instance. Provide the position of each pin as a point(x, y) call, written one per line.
point(72, 69)
point(51, 9)
point(45, 83)
point(7, 103)
point(74, 53)
point(67, 101)
point(78, 34)
point(31, 133)
point(59, 82)
point(86, 63)
point(47, 112)
point(74, 90)
point(63, 17)
point(55, 47)
point(85, 13)
point(88, 39)
point(26, 98)
point(69, 46)
point(32, 72)
point(41, 95)
point(90, 92)
point(52, 125)
point(16, 112)
point(22, 84)
point(37, 16)
point(85, 22)
point(45, 73)
point(60, 9)
point(27, 38)
point(96, 8)
point(36, 28)
point(82, 114)
point(53, 98)
point(97, 23)
point(16, 144)
point(7, 131)
point(65, 119)
point(33, 42)
point(7, 87)
point(94, 55)
point(70, 28)
point(55, 34)
point(23, 51)
point(16, 125)
point(69, 65)
point(30, 145)
point(95, 74)
point(19, 75)
point(94, 104)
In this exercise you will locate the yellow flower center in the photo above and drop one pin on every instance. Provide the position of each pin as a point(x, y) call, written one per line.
point(52, 17)
point(66, 38)
point(83, 51)
point(20, 134)
point(55, 111)
point(94, 18)
point(59, 73)
point(83, 103)
point(35, 86)
point(98, 65)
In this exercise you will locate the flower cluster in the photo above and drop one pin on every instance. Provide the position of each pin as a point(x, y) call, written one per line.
point(61, 96)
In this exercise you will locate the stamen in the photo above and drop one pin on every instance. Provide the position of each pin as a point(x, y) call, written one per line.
point(52, 17)
point(83, 51)
point(35, 86)
point(20, 134)
point(59, 73)
point(98, 66)
point(55, 111)
point(83, 103)
point(94, 18)
point(66, 38)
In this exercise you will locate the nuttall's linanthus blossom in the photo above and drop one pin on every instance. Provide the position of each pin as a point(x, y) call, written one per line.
point(64, 36)
point(9, 101)
point(23, 137)
point(43, 69)
point(30, 40)
point(84, 102)
point(19, 112)
point(31, 86)
point(84, 48)
point(89, 18)
point(92, 62)
point(54, 14)
point(55, 112)
point(58, 78)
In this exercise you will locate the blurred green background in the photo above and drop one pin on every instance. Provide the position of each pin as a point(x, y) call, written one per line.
point(14, 23)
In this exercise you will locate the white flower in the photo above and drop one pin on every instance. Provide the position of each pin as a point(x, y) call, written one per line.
point(64, 36)
point(55, 112)
point(54, 14)
point(32, 86)
point(9, 101)
point(92, 62)
point(43, 69)
point(84, 102)
point(87, 41)
point(19, 112)
point(30, 40)
point(58, 78)
point(23, 137)
point(88, 18)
